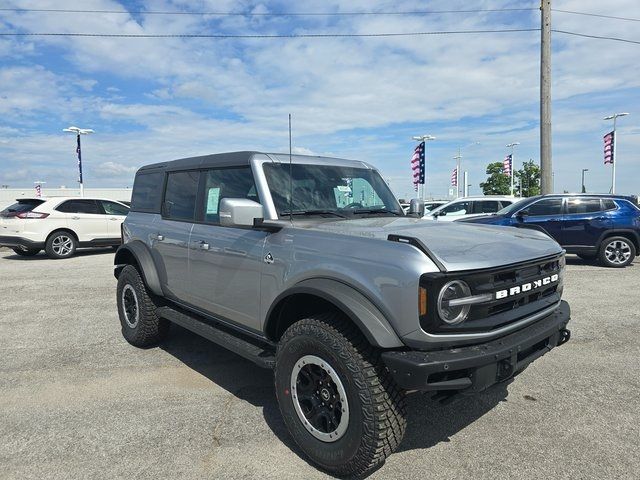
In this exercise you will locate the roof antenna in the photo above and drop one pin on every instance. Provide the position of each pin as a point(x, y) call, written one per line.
point(290, 177)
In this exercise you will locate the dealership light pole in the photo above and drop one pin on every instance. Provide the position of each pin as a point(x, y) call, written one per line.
point(614, 117)
point(425, 139)
point(78, 132)
point(458, 159)
point(584, 190)
point(513, 164)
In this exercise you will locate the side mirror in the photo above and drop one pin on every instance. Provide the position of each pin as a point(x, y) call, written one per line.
point(522, 214)
point(239, 212)
point(416, 208)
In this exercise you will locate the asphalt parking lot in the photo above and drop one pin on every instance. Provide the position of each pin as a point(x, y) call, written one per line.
point(76, 401)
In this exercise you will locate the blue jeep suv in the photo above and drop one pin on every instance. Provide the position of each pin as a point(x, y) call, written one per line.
point(606, 227)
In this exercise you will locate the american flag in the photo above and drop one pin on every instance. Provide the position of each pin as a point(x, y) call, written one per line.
point(507, 164)
point(79, 160)
point(608, 147)
point(417, 165)
point(38, 190)
point(454, 177)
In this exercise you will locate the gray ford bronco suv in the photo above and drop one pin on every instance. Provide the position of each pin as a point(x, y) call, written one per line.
point(309, 266)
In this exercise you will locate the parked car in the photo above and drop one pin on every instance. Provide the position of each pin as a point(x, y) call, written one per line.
point(60, 225)
point(606, 227)
point(466, 207)
point(351, 302)
point(429, 205)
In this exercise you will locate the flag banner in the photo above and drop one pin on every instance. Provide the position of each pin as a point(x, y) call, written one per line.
point(417, 165)
point(608, 147)
point(454, 177)
point(38, 190)
point(507, 165)
point(79, 161)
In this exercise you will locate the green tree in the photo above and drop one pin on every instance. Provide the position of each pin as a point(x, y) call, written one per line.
point(528, 179)
point(497, 182)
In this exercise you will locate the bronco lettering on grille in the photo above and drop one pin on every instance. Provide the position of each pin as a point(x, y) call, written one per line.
point(525, 287)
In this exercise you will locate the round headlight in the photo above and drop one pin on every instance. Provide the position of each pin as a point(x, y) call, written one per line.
point(452, 291)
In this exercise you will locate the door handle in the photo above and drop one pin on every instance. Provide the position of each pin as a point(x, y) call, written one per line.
point(203, 245)
point(553, 220)
point(75, 218)
point(113, 218)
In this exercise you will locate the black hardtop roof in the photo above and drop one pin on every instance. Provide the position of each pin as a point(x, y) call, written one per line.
point(234, 159)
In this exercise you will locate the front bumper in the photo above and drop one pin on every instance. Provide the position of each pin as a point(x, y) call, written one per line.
point(474, 368)
point(19, 242)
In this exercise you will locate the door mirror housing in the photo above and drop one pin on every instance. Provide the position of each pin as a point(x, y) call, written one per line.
point(522, 214)
point(416, 208)
point(239, 212)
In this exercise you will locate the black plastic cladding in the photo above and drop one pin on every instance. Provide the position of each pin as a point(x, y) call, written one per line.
point(497, 313)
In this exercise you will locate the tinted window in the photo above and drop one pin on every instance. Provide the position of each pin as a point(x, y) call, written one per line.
point(25, 205)
point(79, 206)
point(113, 208)
point(147, 191)
point(180, 195)
point(583, 205)
point(549, 206)
point(226, 183)
point(458, 208)
point(608, 204)
point(486, 206)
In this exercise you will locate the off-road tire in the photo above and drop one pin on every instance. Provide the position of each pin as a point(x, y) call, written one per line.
point(604, 255)
point(60, 236)
point(145, 329)
point(377, 412)
point(26, 253)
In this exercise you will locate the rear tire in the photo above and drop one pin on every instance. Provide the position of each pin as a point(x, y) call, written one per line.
point(61, 244)
point(26, 253)
point(330, 353)
point(616, 252)
point(141, 326)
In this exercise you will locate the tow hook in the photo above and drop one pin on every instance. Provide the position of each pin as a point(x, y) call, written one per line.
point(564, 337)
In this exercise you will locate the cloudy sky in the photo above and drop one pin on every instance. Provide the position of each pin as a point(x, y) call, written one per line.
point(152, 99)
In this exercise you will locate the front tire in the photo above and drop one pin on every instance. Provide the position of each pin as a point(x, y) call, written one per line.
point(617, 252)
point(338, 401)
point(26, 253)
point(140, 323)
point(61, 244)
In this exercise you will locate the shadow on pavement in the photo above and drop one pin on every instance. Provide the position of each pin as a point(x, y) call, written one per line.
point(429, 422)
point(9, 255)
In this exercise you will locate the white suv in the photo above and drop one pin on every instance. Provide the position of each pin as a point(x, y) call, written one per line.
point(467, 207)
point(60, 225)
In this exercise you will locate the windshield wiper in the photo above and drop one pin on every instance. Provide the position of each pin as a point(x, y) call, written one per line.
point(375, 210)
point(312, 212)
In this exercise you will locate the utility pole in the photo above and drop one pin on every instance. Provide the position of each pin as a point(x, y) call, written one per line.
point(546, 182)
point(513, 166)
point(584, 190)
point(458, 159)
point(79, 131)
point(614, 158)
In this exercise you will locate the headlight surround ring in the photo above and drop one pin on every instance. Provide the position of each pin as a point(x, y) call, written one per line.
point(453, 290)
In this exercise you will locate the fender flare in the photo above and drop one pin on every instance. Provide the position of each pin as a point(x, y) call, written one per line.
point(364, 314)
point(142, 255)
point(616, 232)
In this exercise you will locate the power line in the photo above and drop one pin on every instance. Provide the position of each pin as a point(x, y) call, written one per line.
point(596, 15)
point(599, 37)
point(265, 14)
point(292, 35)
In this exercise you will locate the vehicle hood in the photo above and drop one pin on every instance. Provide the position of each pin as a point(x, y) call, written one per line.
point(456, 245)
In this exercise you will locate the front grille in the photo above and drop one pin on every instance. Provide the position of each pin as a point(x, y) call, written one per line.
point(497, 312)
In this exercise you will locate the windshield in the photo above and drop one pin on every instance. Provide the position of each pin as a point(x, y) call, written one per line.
point(329, 190)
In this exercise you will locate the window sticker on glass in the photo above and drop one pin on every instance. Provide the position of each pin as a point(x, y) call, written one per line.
point(344, 188)
point(213, 198)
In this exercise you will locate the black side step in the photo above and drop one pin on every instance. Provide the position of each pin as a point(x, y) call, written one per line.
point(251, 349)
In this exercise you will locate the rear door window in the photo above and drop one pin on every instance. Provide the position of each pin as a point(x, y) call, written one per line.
point(147, 192)
point(486, 206)
point(226, 183)
point(180, 195)
point(80, 206)
point(582, 206)
point(113, 208)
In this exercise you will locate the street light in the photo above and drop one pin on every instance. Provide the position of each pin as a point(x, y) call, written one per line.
point(513, 163)
point(78, 132)
point(584, 190)
point(458, 159)
point(425, 139)
point(615, 151)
